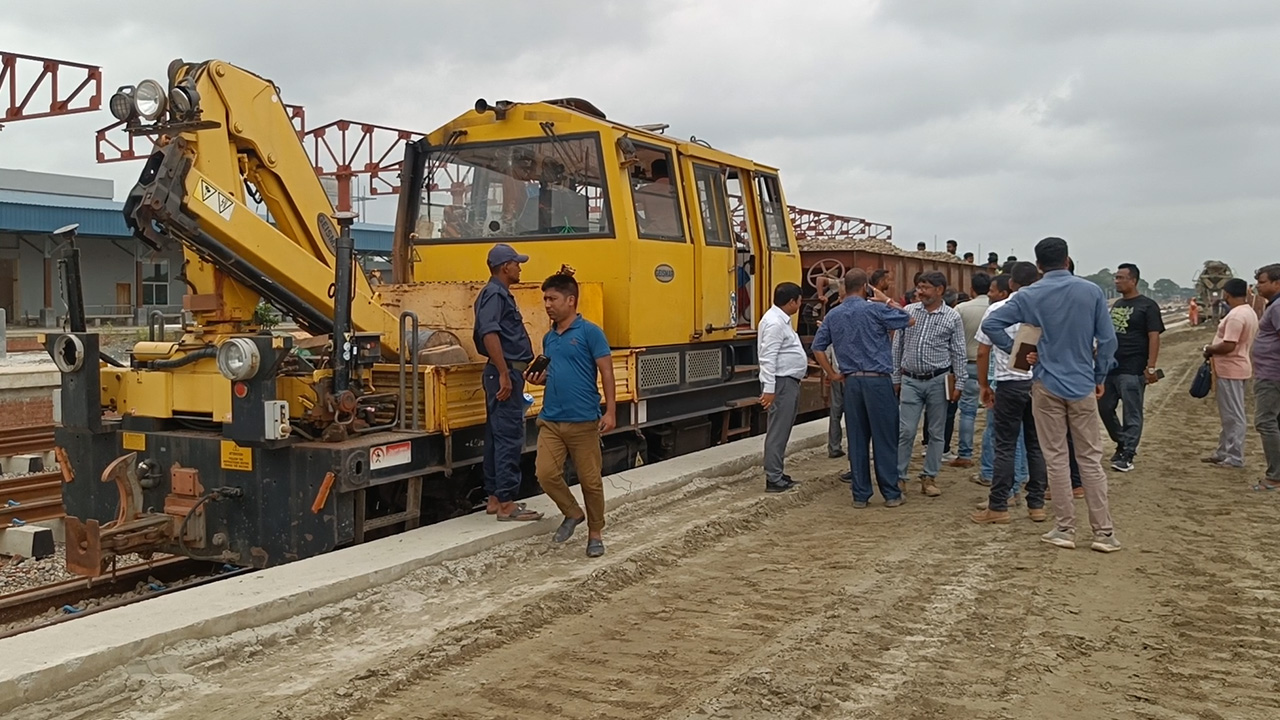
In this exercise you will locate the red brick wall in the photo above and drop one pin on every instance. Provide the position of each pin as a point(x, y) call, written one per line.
point(31, 411)
point(24, 344)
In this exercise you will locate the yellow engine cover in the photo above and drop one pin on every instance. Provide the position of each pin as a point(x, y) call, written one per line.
point(451, 306)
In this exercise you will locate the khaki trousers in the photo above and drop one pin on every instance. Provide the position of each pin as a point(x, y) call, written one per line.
point(581, 442)
point(1054, 416)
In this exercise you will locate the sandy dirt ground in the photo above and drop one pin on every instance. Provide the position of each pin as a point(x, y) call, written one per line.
point(719, 601)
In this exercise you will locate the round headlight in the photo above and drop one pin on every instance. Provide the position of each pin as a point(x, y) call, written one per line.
point(148, 100)
point(238, 359)
point(121, 103)
point(183, 100)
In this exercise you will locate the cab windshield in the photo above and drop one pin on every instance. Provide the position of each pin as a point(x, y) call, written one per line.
point(548, 187)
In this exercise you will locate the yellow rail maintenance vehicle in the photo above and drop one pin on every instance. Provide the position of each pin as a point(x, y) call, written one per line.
point(255, 447)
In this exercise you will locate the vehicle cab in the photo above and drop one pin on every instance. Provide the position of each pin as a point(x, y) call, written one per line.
point(686, 240)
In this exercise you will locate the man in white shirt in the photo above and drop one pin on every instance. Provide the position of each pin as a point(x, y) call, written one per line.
point(782, 366)
point(1011, 400)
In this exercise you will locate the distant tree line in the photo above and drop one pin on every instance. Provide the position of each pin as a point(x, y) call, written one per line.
point(1163, 290)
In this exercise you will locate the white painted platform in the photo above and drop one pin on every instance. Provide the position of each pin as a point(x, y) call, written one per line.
point(30, 375)
point(38, 664)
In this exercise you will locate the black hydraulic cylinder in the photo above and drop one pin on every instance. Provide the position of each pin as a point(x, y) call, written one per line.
point(75, 289)
point(342, 298)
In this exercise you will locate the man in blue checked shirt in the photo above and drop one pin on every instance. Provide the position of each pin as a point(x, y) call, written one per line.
point(858, 329)
point(923, 355)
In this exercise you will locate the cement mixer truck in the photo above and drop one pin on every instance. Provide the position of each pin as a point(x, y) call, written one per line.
point(1208, 285)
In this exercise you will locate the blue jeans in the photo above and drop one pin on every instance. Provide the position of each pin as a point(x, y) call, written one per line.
point(988, 463)
point(916, 396)
point(503, 436)
point(871, 419)
point(968, 414)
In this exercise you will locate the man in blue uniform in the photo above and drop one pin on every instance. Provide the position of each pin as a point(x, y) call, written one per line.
point(500, 336)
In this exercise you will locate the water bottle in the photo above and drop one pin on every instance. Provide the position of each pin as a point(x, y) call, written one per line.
point(528, 402)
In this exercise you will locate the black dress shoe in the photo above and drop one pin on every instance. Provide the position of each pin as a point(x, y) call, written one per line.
point(836, 454)
point(595, 548)
point(565, 531)
point(780, 487)
point(846, 476)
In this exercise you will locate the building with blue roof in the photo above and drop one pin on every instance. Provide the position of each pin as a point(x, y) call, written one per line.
point(124, 279)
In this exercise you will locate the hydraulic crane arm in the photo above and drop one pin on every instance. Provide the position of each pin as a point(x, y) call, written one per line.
point(238, 140)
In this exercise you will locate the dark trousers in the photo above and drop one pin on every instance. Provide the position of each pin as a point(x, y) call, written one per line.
point(1013, 417)
point(503, 436)
point(871, 420)
point(1130, 391)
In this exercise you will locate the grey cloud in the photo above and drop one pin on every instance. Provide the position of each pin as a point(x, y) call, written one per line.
point(1139, 130)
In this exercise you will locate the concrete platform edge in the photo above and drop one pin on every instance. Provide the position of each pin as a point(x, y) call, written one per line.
point(39, 664)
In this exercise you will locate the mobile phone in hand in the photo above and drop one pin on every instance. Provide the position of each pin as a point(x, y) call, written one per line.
point(539, 364)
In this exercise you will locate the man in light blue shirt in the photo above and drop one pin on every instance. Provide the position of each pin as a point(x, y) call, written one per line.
point(1069, 377)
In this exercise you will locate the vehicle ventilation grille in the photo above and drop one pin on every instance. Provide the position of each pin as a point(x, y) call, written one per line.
point(702, 365)
point(659, 371)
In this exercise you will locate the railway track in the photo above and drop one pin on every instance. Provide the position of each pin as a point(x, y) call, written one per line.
point(35, 496)
point(28, 610)
point(30, 498)
point(18, 441)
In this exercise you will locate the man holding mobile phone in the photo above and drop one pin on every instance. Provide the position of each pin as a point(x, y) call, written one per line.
point(1138, 326)
point(571, 424)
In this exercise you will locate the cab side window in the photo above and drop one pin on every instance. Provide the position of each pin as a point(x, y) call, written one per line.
point(773, 210)
point(653, 191)
point(712, 205)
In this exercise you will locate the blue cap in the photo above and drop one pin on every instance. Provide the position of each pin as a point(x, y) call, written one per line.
point(504, 253)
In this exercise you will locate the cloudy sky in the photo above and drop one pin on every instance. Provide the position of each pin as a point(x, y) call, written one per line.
point(1144, 131)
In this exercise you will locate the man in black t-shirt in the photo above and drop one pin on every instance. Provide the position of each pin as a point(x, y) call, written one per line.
point(1138, 326)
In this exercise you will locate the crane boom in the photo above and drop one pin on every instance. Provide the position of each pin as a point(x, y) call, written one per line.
point(241, 142)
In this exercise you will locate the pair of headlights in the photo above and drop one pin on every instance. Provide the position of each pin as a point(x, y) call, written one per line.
point(148, 101)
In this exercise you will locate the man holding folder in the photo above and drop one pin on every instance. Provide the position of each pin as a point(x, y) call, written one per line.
point(1069, 377)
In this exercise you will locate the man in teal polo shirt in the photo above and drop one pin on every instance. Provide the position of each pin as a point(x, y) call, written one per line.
point(571, 423)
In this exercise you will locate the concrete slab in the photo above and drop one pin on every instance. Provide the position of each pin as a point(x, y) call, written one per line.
point(30, 541)
point(56, 526)
point(30, 375)
point(23, 464)
point(38, 664)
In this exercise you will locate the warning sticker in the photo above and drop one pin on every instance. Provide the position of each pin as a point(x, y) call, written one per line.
point(235, 457)
point(385, 456)
point(133, 441)
point(217, 200)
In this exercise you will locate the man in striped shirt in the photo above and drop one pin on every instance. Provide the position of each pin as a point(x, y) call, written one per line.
point(923, 355)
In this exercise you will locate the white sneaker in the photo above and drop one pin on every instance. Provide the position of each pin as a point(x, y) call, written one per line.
point(948, 457)
point(1061, 538)
point(1105, 543)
